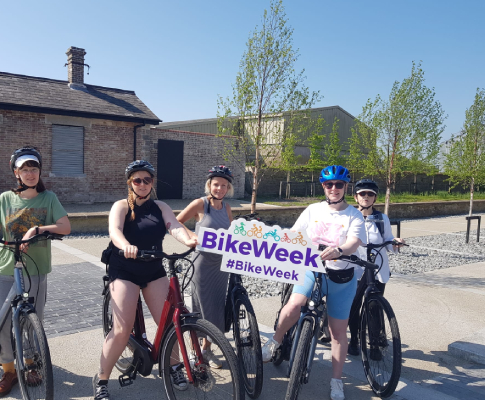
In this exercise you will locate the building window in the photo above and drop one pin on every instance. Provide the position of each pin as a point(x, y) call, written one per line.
point(67, 150)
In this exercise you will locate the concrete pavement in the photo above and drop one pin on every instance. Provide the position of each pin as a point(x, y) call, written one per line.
point(435, 310)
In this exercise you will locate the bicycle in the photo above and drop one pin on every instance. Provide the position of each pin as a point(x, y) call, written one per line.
point(257, 232)
point(303, 336)
point(177, 343)
point(272, 234)
point(240, 229)
point(240, 314)
point(379, 332)
point(299, 239)
point(28, 340)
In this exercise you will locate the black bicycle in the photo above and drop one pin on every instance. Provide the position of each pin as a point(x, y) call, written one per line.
point(34, 367)
point(240, 314)
point(378, 329)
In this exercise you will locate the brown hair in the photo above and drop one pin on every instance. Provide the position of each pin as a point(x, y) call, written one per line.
point(40, 187)
point(132, 196)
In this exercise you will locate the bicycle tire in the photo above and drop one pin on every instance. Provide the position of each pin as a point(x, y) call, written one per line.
point(380, 346)
point(298, 370)
point(324, 331)
point(279, 354)
point(126, 362)
point(248, 345)
point(36, 349)
point(210, 383)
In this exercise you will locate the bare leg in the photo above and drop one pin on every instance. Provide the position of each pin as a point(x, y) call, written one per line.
point(124, 298)
point(338, 329)
point(155, 294)
point(289, 315)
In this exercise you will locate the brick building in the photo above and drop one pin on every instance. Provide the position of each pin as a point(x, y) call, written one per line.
point(87, 135)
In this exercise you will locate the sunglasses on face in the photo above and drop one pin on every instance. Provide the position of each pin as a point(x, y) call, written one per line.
point(338, 185)
point(138, 181)
point(370, 194)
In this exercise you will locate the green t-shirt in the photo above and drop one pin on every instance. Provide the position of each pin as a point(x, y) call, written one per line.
point(17, 216)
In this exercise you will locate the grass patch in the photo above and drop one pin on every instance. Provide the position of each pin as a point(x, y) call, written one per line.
point(395, 198)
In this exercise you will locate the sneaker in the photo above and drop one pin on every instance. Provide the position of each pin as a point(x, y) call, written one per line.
point(354, 349)
point(33, 378)
point(177, 377)
point(100, 389)
point(269, 348)
point(211, 359)
point(8, 381)
point(336, 389)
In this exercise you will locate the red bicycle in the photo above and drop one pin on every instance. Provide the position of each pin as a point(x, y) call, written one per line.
point(177, 342)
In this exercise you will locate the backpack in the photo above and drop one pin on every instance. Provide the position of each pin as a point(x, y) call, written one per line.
point(379, 221)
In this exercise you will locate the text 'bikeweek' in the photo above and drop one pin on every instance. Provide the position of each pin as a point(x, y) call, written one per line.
point(262, 251)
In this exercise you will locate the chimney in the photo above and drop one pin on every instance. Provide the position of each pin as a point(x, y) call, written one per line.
point(75, 67)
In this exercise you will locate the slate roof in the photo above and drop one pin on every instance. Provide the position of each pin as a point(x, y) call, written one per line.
point(50, 96)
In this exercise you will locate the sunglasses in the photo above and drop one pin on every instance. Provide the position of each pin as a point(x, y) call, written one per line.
point(138, 181)
point(370, 194)
point(338, 185)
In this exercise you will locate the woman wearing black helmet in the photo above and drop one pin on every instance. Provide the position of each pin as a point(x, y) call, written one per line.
point(136, 223)
point(209, 283)
point(378, 230)
point(25, 211)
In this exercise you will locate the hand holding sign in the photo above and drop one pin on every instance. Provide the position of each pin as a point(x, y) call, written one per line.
point(262, 251)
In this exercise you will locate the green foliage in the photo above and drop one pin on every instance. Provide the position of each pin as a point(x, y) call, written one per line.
point(465, 163)
point(267, 97)
point(355, 156)
point(333, 148)
point(402, 132)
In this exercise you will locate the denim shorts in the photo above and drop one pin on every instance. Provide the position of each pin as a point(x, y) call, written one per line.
point(339, 297)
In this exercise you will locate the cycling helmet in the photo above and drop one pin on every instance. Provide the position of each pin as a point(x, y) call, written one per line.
point(24, 154)
point(334, 173)
point(139, 165)
point(366, 184)
point(221, 171)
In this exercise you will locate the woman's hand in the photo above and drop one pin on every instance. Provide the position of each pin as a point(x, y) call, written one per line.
point(330, 253)
point(130, 251)
point(28, 235)
point(396, 247)
point(192, 242)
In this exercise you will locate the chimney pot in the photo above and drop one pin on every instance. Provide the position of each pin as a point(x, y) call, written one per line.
point(75, 66)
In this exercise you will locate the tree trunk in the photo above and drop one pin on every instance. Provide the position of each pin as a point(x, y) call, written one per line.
point(288, 184)
point(471, 197)
point(254, 191)
point(388, 193)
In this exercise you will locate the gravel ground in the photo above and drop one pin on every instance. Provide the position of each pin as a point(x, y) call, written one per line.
point(425, 253)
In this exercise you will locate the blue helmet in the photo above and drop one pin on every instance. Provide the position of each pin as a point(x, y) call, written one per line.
point(334, 173)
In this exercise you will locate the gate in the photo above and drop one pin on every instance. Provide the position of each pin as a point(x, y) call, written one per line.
point(170, 170)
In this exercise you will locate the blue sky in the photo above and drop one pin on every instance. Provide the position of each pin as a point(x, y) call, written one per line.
point(178, 56)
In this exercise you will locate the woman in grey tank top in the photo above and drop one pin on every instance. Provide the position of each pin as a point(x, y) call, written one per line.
point(209, 283)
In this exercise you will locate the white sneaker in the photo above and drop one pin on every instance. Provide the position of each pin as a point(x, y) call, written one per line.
point(336, 389)
point(211, 359)
point(269, 348)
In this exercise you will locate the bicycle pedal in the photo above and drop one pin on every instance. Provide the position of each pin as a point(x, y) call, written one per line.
point(242, 314)
point(126, 380)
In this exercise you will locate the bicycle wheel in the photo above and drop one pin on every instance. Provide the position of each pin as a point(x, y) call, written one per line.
point(298, 374)
point(36, 378)
point(324, 332)
point(381, 346)
point(248, 345)
point(209, 383)
point(279, 354)
point(126, 362)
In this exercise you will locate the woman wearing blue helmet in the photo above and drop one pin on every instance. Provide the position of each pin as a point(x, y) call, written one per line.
point(339, 226)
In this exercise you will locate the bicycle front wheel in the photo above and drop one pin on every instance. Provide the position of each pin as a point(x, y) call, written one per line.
point(248, 345)
point(125, 363)
point(298, 374)
point(381, 346)
point(35, 378)
point(209, 382)
point(279, 354)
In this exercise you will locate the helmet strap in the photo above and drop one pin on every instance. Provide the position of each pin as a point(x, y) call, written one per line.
point(361, 208)
point(334, 202)
point(24, 186)
point(141, 197)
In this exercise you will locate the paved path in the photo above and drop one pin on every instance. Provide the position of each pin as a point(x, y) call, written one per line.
point(434, 310)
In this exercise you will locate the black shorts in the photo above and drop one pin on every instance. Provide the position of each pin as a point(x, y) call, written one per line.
point(141, 273)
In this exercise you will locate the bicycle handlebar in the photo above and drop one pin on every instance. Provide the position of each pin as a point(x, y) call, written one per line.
point(158, 254)
point(46, 234)
point(379, 245)
point(353, 259)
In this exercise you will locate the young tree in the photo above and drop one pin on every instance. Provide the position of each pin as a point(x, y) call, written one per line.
point(333, 147)
point(267, 95)
point(392, 131)
point(355, 155)
point(465, 163)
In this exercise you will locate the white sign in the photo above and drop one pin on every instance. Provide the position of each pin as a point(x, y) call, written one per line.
point(267, 252)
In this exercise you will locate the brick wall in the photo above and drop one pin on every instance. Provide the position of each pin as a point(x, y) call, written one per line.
point(108, 148)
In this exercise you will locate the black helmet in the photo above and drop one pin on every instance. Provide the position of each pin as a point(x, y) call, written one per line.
point(139, 165)
point(366, 184)
point(220, 171)
point(25, 151)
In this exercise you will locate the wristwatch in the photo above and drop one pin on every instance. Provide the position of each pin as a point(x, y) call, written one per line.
point(36, 229)
point(340, 250)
